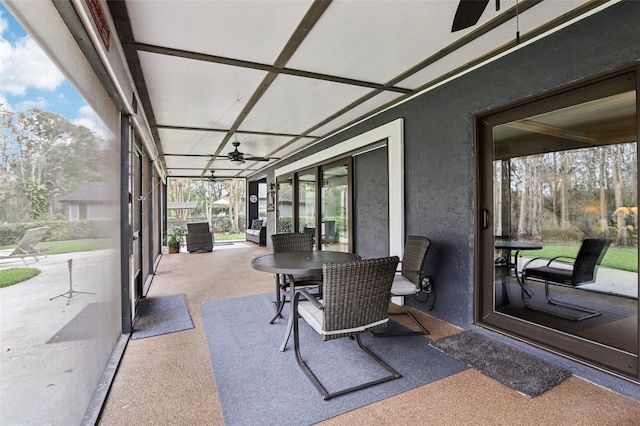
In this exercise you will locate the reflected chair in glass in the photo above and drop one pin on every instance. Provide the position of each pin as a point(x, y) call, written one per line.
point(355, 299)
point(411, 281)
point(568, 272)
point(287, 243)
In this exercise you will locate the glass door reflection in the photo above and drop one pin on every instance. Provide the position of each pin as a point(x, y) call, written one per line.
point(334, 203)
point(306, 203)
point(559, 178)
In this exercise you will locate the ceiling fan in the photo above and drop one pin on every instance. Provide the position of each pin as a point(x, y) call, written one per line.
point(469, 12)
point(239, 157)
point(212, 178)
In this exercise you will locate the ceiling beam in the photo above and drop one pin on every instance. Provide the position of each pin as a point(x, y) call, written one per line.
point(185, 54)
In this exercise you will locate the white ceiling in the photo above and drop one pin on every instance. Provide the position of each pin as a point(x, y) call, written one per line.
point(278, 76)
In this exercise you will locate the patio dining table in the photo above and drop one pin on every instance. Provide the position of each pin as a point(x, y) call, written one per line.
point(518, 247)
point(297, 263)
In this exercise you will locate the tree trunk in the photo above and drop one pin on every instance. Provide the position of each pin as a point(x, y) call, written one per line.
point(522, 218)
point(565, 181)
point(604, 221)
point(622, 238)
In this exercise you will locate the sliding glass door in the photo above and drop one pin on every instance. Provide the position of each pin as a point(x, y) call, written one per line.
point(318, 201)
point(553, 174)
point(334, 203)
point(307, 202)
point(284, 210)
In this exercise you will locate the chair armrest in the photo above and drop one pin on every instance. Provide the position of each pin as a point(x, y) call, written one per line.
point(310, 298)
point(555, 259)
point(532, 260)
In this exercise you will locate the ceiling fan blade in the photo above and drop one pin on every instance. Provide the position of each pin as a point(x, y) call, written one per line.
point(260, 158)
point(468, 14)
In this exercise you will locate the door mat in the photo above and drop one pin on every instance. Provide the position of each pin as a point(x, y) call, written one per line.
point(161, 315)
point(510, 366)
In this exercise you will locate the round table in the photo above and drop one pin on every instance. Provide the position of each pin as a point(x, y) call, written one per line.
point(298, 263)
point(518, 246)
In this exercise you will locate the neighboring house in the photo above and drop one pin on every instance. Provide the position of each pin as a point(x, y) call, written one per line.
point(89, 202)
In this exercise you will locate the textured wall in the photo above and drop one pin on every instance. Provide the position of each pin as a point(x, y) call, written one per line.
point(439, 140)
point(371, 204)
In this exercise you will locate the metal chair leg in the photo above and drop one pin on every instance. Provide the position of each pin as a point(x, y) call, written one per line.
point(385, 333)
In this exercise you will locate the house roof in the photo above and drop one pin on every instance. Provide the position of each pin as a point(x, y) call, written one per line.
point(93, 191)
point(182, 205)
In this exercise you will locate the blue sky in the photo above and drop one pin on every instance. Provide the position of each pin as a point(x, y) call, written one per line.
point(28, 79)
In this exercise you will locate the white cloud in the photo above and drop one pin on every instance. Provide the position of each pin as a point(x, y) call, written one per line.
point(23, 65)
point(89, 119)
point(38, 103)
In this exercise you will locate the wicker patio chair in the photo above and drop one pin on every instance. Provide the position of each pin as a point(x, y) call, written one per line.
point(199, 237)
point(287, 243)
point(409, 280)
point(355, 299)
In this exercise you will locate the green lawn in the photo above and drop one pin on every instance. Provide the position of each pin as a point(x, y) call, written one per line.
point(72, 246)
point(16, 275)
point(624, 258)
point(231, 237)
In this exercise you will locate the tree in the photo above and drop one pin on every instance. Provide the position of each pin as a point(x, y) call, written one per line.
point(622, 237)
point(42, 156)
point(236, 190)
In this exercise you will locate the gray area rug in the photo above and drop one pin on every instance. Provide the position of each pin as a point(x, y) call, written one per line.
point(510, 366)
point(161, 315)
point(259, 385)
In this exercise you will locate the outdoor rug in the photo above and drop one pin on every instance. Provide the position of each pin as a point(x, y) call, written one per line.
point(258, 384)
point(510, 366)
point(161, 315)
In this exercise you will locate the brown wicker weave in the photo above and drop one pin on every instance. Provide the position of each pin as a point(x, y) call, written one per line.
point(413, 258)
point(199, 237)
point(288, 243)
point(413, 261)
point(291, 242)
point(355, 299)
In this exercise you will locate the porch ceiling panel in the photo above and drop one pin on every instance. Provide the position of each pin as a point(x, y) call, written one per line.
point(353, 113)
point(378, 41)
point(177, 161)
point(295, 104)
point(184, 141)
point(186, 92)
point(252, 30)
point(278, 76)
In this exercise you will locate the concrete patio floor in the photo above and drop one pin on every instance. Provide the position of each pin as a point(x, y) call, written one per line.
point(168, 379)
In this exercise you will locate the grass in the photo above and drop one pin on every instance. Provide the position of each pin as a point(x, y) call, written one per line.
point(73, 246)
point(230, 237)
point(16, 275)
point(624, 258)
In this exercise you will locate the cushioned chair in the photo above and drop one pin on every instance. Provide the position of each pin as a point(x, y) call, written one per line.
point(568, 272)
point(355, 299)
point(287, 243)
point(199, 237)
point(257, 233)
point(409, 280)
